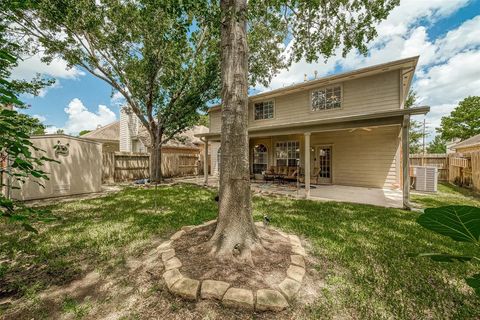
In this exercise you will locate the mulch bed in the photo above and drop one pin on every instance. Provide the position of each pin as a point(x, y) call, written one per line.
point(269, 266)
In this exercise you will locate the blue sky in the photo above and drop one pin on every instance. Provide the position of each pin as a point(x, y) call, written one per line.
point(445, 33)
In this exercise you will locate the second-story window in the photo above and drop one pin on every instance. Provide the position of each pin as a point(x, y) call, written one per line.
point(263, 110)
point(327, 98)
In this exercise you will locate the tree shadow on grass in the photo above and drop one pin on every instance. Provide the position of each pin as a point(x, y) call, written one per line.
point(93, 233)
point(368, 249)
point(448, 194)
point(361, 252)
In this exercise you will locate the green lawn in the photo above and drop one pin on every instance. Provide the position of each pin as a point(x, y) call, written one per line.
point(447, 194)
point(361, 259)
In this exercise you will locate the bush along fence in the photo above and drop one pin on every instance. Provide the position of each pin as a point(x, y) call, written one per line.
point(462, 169)
point(128, 166)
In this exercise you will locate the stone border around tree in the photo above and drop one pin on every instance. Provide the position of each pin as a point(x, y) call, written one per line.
point(267, 299)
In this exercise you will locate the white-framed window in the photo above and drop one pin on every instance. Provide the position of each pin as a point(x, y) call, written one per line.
point(287, 153)
point(263, 110)
point(326, 98)
point(260, 158)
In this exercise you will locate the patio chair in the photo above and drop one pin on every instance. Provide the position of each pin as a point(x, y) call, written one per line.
point(291, 175)
point(315, 175)
point(270, 174)
point(282, 171)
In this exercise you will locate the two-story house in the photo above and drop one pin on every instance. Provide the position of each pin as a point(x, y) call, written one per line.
point(346, 129)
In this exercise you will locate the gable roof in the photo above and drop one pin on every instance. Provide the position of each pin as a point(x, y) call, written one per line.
point(407, 63)
point(470, 142)
point(184, 140)
point(110, 132)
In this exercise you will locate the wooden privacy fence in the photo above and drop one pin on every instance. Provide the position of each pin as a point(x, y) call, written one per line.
point(128, 166)
point(440, 161)
point(465, 170)
point(475, 163)
point(462, 169)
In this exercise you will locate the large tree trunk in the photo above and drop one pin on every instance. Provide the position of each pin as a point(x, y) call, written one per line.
point(235, 236)
point(156, 160)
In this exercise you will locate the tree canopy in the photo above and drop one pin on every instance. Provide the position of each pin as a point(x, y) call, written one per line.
point(162, 57)
point(437, 145)
point(81, 133)
point(415, 137)
point(463, 122)
point(19, 158)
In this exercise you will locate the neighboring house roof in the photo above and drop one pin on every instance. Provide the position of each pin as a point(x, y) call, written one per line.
point(191, 132)
point(470, 142)
point(185, 139)
point(408, 63)
point(110, 133)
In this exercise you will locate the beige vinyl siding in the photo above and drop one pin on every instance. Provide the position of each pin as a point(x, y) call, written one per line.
point(363, 158)
point(370, 94)
point(214, 165)
point(359, 158)
point(215, 120)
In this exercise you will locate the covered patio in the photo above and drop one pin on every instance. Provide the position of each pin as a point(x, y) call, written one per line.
point(374, 196)
point(355, 158)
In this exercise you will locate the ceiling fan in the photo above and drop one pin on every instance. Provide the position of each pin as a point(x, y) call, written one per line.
point(365, 129)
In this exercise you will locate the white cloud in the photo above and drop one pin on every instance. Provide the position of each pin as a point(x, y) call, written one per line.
point(295, 74)
point(52, 129)
point(80, 118)
point(31, 66)
point(448, 67)
point(399, 36)
point(449, 82)
point(409, 12)
point(467, 36)
point(39, 117)
point(117, 99)
point(43, 92)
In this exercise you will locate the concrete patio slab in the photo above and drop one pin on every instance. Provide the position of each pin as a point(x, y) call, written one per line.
point(374, 196)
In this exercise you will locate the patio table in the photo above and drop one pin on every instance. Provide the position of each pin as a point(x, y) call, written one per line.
point(280, 178)
point(268, 177)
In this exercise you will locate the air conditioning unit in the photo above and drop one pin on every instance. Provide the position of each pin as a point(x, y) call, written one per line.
point(426, 178)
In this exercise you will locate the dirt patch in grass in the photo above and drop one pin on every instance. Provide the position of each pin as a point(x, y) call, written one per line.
point(136, 290)
point(270, 265)
point(357, 267)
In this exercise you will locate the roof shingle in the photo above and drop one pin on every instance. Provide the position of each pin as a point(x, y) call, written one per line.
point(472, 141)
point(110, 132)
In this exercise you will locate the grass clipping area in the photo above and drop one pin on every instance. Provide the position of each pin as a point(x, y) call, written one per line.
point(99, 261)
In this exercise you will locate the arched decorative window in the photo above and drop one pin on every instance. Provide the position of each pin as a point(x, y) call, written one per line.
point(260, 158)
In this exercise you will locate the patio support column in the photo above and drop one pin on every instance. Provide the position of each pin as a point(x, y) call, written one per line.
point(405, 162)
point(307, 164)
point(205, 163)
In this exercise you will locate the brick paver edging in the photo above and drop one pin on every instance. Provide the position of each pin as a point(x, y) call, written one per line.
point(264, 299)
